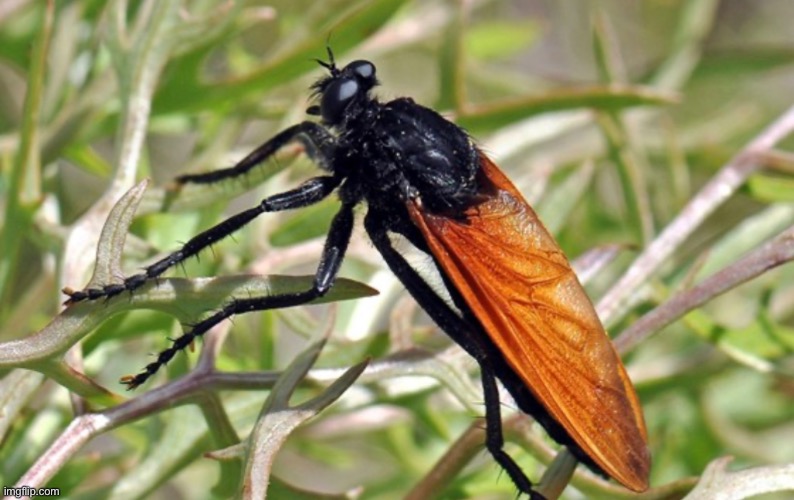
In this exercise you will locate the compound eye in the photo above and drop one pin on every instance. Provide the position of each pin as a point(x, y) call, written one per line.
point(336, 98)
point(364, 69)
point(344, 89)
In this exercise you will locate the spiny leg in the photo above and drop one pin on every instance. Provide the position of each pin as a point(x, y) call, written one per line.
point(308, 193)
point(494, 435)
point(318, 142)
point(461, 332)
point(320, 145)
point(330, 261)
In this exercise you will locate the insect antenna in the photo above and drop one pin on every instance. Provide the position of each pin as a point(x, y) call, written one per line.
point(331, 64)
point(330, 52)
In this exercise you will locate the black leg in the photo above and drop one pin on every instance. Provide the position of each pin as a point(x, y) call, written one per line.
point(319, 144)
point(447, 319)
point(494, 437)
point(331, 260)
point(463, 333)
point(308, 193)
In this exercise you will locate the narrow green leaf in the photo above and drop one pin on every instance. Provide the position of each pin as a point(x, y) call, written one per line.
point(612, 98)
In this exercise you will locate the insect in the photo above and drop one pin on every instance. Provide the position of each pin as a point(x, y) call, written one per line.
point(516, 305)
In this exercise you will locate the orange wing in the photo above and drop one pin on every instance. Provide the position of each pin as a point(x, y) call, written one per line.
point(521, 288)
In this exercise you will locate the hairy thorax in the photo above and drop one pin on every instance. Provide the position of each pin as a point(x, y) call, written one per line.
point(410, 151)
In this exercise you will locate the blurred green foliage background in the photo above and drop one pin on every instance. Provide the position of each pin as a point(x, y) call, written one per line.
point(610, 115)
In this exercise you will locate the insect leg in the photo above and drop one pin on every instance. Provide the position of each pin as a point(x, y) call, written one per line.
point(331, 260)
point(461, 332)
point(494, 436)
point(310, 192)
point(319, 144)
